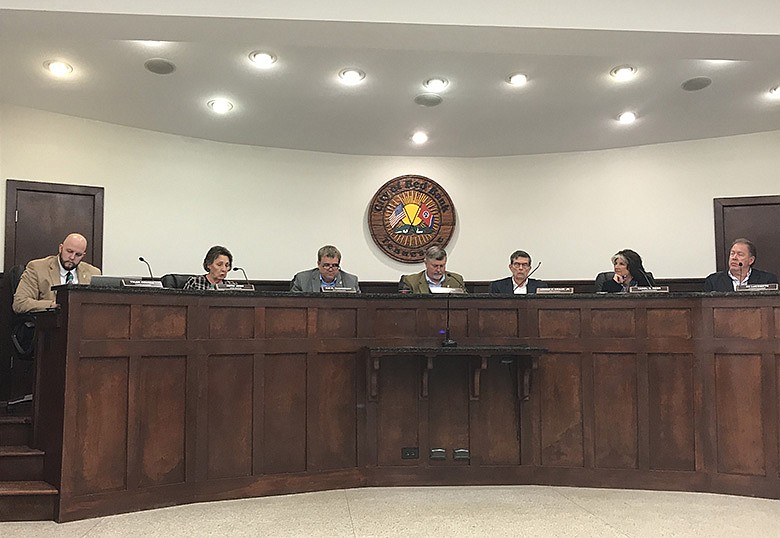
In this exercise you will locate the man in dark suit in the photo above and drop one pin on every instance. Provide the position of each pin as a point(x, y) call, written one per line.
point(327, 274)
point(742, 256)
point(518, 283)
point(34, 292)
point(435, 275)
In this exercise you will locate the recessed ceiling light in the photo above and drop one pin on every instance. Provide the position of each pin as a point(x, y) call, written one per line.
point(436, 84)
point(352, 76)
point(775, 92)
point(57, 68)
point(695, 84)
point(262, 59)
point(220, 105)
point(160, 66)
point(627, 117)
point(420, 137)
point(623, 72)
point(518, 79)
point(150, 43)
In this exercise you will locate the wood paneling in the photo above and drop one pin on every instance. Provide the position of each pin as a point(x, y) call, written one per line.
point(737, 323)
point(331, 424)
point(163, 322)
point(395, 322)
point(669, 322)
point(156, 397)
point(337, 323)
point(231, 322)
point(229, 401)
point(399, 409)
point(284, 435)
point(160, 421)
point(560, 377)
point(617, 323)
point(100, 461)
point(285, 322)
point(559, 323)
point(494, 322)
point(105, 321)
point(739, 406)
point(615, 410)
point(671, 412)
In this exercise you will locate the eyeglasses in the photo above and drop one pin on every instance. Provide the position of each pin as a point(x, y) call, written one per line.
point(521, 265)
point(329, 265)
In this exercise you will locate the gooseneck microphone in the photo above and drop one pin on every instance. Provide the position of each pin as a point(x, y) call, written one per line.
point(538, 265)
point(141, 259)
point(242, 270)
point(448, 342)
point(650, 281)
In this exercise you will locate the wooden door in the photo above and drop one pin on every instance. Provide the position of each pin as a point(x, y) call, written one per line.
point(754, 217)
point(38, 216)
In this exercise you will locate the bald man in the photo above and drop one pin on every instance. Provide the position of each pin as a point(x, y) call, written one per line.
point(34, 290)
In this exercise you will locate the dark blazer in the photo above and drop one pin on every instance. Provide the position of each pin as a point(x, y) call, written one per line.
point(309, 281)
point(417, 283)
point(506, 287)
point(721, 281)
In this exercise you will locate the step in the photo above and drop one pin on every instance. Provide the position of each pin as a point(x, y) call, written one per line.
point(27, 500)
point(20, 463)
point(15, 430)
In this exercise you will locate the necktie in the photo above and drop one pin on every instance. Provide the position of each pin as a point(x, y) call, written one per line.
point(69, 278)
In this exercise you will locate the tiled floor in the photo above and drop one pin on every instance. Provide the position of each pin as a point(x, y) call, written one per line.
point(526, 511)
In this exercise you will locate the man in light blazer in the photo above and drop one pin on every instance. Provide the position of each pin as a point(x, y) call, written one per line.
point(34, 290)
point(518, 283)
point(435, 274)
point(327, 274)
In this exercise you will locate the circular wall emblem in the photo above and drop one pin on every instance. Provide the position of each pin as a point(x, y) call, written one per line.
point(408, 214)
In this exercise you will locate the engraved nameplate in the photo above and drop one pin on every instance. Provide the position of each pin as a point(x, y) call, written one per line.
point(757, 287)
point(139, 283)
point(339, 290)
point(233, 286)
point(649, 289)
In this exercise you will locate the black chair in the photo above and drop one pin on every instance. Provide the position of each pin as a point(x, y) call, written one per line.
point(22, 337)
point(601, 279)
point(174, 280)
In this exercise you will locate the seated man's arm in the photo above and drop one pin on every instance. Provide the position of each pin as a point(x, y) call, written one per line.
point(26, 298)
point(404, 285)
point(295, 285)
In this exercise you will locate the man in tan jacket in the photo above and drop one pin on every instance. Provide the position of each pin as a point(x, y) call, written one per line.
point(34, 290)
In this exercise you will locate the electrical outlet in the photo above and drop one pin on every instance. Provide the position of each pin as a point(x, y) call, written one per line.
point(410, 453)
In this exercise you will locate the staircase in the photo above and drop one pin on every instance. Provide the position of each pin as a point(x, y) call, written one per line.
point(24, 496)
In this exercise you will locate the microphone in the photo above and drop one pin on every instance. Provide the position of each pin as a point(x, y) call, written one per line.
point(141, 259)
point(538, 265)
point(242, 270)
point(448, 342)
point(650, 282)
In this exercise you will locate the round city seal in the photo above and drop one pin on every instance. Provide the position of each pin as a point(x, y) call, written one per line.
point(408, 214)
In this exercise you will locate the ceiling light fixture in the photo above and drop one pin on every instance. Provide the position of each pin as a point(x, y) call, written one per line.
point(57, 68)
point(774, 92)
point(627, 118)
point(420, 137)
point(352, 76)
point(518, 79)
point(623, 73)
point(436, 84)
point(220, 105)
point(262, 59)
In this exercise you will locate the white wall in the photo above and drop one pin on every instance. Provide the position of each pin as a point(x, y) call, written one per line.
point(169, 198)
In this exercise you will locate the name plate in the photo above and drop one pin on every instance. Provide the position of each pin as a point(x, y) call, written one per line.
point(554, 291)
point(339, 290)
point(139, 283)
point(757, 287)
point(649, 289)
point(233, 286)
point(439, 289)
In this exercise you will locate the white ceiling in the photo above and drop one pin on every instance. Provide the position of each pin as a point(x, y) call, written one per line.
point(570, 103)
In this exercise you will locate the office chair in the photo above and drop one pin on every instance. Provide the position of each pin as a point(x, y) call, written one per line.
point(22, 337)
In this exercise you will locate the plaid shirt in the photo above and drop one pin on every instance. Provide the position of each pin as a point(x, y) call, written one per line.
point(201, 283)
